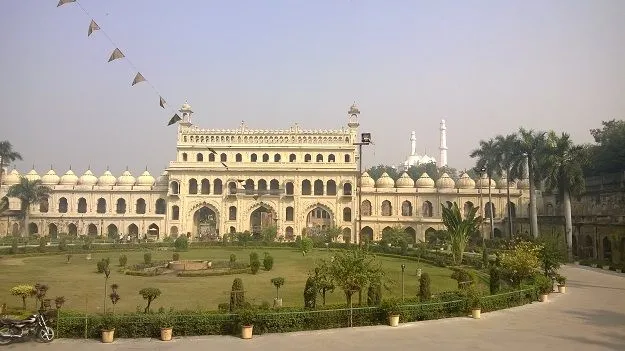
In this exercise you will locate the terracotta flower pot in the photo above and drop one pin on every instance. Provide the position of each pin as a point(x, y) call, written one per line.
point(247, 331)
point(166, 334)
point(562, 289)
point(277, 303)
point(393, 320)
point(108, 336)
point(476, 313)
point(543, 297)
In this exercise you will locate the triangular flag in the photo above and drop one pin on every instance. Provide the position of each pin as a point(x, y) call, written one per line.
point(63, 2)
point(174, 119)
point(138, 79)
point(117, 54)
point(93, 27)
point(162, 102)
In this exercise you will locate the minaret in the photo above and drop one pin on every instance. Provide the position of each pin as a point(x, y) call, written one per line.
point(413, 143)
point(442, 161)
point(186, 113)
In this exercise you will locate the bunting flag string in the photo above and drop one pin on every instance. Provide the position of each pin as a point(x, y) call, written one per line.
point(118, 54)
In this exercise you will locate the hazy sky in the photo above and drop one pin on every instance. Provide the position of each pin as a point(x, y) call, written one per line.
point(488, 67)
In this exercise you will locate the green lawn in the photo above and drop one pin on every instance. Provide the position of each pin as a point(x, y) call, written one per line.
point(82, 286)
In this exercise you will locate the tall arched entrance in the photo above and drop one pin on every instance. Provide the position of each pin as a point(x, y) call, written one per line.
point(261, 218)
point(205, 224)
point(318, 220)
point(153, 230)
point(111, 231)
point(53, 231)
point(133, 231)
point(366, 234)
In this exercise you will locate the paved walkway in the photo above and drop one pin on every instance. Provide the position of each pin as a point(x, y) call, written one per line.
point(590, 316)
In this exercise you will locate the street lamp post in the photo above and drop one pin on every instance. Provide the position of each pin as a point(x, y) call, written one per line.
point(403, 268)
point(365, 139)
point(482, 204)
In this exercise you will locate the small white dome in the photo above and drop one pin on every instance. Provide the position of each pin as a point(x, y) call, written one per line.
point(107, 179)
point(145, 179)
point(424, 181)
point(69, 178)
point(385, 181)
point(88, 178)
point(126, 179)
point(12, 178)
point(524, 184)
point(163, 179)
point(445, 182)
point(366, 181)
point(483, 182)
point(465, 182)
point(32, 175)
point(50, 178)
point(404, 181)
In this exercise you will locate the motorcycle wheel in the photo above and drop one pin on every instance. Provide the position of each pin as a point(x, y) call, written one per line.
point(45, 334)
point(4, 330)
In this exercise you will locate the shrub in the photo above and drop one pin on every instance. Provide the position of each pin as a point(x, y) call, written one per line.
point(561, 279)
point(255, 266)
point(102, 265)
point(63, 244)
point(424, 287)
point(147, 258)
point(175, 256)
point(543, 283)
point(233, 258)
point(123, 259)
point(14, 246)
point(391, 307)
point(149, 294)
point(495, 280)
point(268, 262)
point(23, 291)
point(87, 243)
point(277, 282)
point(306, 245)
point(237, 295)
point(485, 258)
point(253, 256)
point(463, 277)
point(310, 293)
point(181, 243)
point(521, 263)
point(374, 294)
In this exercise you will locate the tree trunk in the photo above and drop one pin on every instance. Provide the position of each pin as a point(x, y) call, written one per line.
point(510, 225)
point(147, 308)
point(490, 208)
point(568, 224)
point(24, 302)
point(26, 218)
point(533, 214)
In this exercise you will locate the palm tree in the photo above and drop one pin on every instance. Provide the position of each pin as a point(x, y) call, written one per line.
point(508, 157)
point(565, 174)
point(30, 192)
point(7, 155)
point(489, 160)
point(459, 229)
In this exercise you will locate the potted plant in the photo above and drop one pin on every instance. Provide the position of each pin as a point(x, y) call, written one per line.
point(561, 283)
point(247, 316)
point(392, 308)
point(474, 301)
point(277, 282)
point(167, 326)
point(544, 285)
point(108, 328)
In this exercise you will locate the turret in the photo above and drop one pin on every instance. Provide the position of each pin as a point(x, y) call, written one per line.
point(442, 161)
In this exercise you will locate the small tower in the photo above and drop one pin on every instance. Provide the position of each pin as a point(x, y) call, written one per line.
point(413, 143)
point(442, 162)
point(186, 112)
point(353, 113)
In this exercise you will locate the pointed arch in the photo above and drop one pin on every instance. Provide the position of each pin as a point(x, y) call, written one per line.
point(101, 206)
point(406, 208)
point(387, 208)
point(365, 207)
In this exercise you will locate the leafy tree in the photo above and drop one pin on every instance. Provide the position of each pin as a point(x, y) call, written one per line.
point(459, 228)
point(306, 244)
point(114, 296)
point(254, 262)
point(495, 280)
point(268, 261)
point(30, 192)
point(40, 291)
point(233, 258)
point(23, 291)
point(181, 243)
point(7, 155)
point(608, 156)
point(521, 263)
point(310, 293)
point(377, 171)
point(424, 287)
point(374, 295)
point(277, 282)
point(149, 294)
point(237, 295)
point(323, 284)
point(331, 233)
point(397, 237)
point(269, 233)
point(63, 243)
point(551, 254)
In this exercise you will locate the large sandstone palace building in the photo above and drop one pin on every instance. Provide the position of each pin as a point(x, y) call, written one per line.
point(246, 179)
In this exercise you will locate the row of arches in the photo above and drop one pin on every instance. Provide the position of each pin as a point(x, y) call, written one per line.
point(111, 230)
point(140, 206)
point(277, 157)
point(250, 186)
point(366, 233)
point(427, 209)
point(603, 249)
point(265, 139)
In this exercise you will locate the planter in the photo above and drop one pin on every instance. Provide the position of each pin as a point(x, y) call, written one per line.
point(393, 320)
point(562, 289)
point(108, 335)
point(166, 334)
point(246, 331)
point(543, 297)
point(476, 313)
point(277, 303)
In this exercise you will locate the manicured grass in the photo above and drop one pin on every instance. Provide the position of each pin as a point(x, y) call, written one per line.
point(83, 287)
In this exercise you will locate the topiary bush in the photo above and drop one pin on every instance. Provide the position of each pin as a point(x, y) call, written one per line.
point(268, 261)
point(237, 295)
point(147, 258)
point(181, 243)
point(175, 256)
point(495, 280)
point(123, 259)
point(233, 258)
point(254, 262)
point(310, 293)
point(424, 287)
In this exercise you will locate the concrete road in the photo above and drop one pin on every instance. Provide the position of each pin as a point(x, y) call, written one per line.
point(590, 316)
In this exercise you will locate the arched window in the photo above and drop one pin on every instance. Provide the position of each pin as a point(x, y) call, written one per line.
point(292, 158)
point(319, 158)
point(223, 158)
point(140, 206)
point(232, 213)
point(238, 158)
point(466, 209)
point(274, 184)
point(192, 186)
point(387, 209)
point(347, 214)
point(276, 158)
point(175, 213)
point(174, 188)
point(101, 206)
point(253, 158)
point(318, 188)
point(160, 206)
point(184, 156)
point(232, 188)
point(262, 184)
point(265, 157)
point(82, 205)
point(62, 205)
point(44, 205)
point(306, 187)
point(211, 157)
point(199, 157)
point(347, 189)
point(365, 207)
point(406, 208)
point(307, 158)
point(289, 188)
point(331, 187)
point(217, 187)
point(121, 206)
point(206, 186)
point(331, 158)
point(347, 158)
point(249, 185)
point(426, 209)
point(290, 214)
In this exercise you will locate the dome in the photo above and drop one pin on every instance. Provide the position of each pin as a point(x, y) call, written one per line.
point(483, 182)
point(107, 179)
point(126, 179)
point(50, 178)
point(12, 178)
point(385, 181)
point(32, 175)
point(465, 182)
point(185, 107)
point(524, 184)
point(145, 179)
point(366, 181)
point(404, 181)
point(88, 178)
point(69, 178)
point(424, 181)
point(502, 183)
point(445, 182)
point(163, 179)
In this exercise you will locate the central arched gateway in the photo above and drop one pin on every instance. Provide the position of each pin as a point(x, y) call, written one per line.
point(261, 218)
point(318, 219)
point(205, 224)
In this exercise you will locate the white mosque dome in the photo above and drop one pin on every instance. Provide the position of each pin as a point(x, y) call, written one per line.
point(163, 179)
point(145, 179)
point(385, 181)
point(126, 179)
point(50, 178)
point(465, 182)
point(366, 181)
point(483, 182)
point(445, 182)
point(69, 178)
point(88, 178)
point(32, 175)
point(424, 181)
point(12, 178)
point(404, 181)
point(107, 179)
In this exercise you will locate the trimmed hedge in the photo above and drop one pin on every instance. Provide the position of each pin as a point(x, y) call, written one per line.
point(209, 273)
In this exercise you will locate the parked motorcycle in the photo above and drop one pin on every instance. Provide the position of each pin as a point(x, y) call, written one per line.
point(34, 327)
